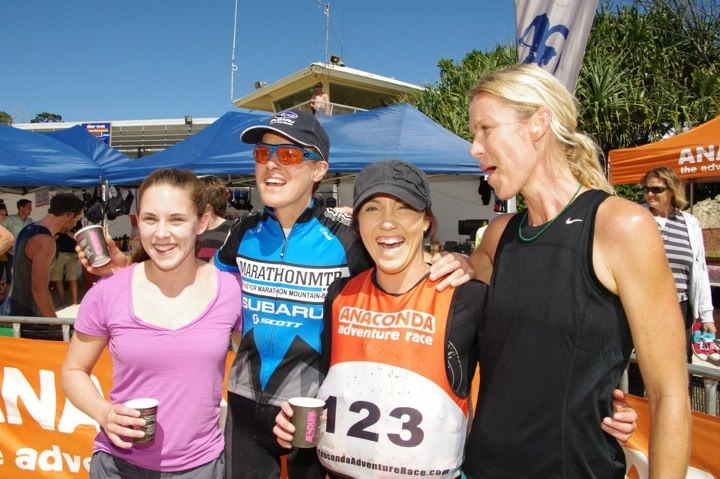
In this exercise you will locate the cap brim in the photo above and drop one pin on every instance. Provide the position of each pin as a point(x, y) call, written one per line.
point(253, 135)
point(391, 190)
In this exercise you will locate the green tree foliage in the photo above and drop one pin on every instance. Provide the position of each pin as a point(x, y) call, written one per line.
point(5, 118)
point(46, 118)
point(650, 68)
point(647, 71)
point(446, 102)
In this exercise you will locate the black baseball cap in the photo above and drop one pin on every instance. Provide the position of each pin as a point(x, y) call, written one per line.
point(395, 178)
point(301, 128)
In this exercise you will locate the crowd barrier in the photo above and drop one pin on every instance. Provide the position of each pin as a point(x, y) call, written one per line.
point(703, 386)
point(42, 435)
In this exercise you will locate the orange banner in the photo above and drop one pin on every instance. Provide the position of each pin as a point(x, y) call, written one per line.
point(704, 457)
point(692, 155)
point(42, 435)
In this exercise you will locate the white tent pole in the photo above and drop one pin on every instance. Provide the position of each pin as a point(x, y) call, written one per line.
point(692, 194)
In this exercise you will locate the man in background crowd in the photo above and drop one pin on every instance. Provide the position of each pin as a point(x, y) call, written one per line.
point(320, 101)
point(66, 266)
point(33, 259)
point(14, 223)
point(216, 195)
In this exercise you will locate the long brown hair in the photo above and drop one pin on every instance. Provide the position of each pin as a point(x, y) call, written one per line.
point(181, 179)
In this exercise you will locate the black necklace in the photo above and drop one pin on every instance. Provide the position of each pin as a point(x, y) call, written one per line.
point(547, 225)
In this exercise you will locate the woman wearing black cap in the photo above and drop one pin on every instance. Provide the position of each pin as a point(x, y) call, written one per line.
point(400, 353)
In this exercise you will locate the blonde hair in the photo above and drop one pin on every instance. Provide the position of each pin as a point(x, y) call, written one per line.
point(526, 89)
point(679, 199)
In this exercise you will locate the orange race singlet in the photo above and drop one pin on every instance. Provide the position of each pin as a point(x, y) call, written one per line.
point(391, 411)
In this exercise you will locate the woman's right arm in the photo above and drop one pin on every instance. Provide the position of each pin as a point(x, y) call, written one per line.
point(115, 419)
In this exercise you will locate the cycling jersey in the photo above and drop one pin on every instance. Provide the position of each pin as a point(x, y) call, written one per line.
point(285, 280)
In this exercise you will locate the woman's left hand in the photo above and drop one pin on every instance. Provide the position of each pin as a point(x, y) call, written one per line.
point(622, 424)
point(451, 269)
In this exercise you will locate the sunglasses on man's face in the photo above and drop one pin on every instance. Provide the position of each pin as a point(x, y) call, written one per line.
point(286, 154)
point(653, 189)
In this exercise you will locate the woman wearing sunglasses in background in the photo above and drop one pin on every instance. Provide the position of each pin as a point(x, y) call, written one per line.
point(664, 194)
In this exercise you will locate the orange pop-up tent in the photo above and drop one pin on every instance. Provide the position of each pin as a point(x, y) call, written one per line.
point(693, 155)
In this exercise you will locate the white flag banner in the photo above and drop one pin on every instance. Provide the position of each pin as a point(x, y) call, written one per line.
point(553, 34)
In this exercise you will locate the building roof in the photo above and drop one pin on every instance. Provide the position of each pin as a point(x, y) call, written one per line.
point(350, 89)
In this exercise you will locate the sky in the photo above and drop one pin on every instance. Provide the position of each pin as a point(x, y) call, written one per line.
point(109, 60)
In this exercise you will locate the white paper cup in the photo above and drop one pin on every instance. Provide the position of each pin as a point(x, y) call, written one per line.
point(306, 419)
point(148, 408)
point(92, 241)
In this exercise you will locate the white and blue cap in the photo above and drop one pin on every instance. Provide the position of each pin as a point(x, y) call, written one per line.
point(301, 128)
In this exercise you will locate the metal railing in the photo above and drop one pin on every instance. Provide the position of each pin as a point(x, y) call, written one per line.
point(16, 321)
point(703, 383)
point(333, 108)
point(703, 386)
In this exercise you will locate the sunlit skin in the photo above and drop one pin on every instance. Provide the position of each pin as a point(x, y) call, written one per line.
point(392, 232)
point(287, 188)
point(501, 145)
point(523, 156)
point(168, 225)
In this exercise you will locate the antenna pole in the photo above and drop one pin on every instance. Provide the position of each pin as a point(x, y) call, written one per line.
point(233, 66)
point(327, 32)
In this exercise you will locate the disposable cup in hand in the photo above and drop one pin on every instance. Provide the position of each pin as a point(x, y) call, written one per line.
point(148, 408)
point(92, 241)
point(306, 419)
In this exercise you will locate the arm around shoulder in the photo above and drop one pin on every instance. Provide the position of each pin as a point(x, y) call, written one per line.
point(483, 257)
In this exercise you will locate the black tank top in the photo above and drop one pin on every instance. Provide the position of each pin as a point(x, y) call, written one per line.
point(22, 302)
point(553, 345)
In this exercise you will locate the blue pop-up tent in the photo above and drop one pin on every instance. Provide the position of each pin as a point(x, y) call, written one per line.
point(79, 138)
point(216, 149)
point(396, 132)
point(29, 159)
